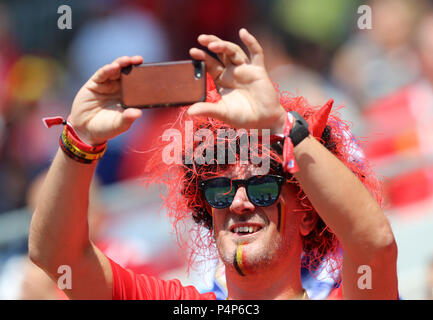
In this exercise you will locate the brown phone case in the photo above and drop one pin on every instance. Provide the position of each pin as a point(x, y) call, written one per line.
point(163, 84)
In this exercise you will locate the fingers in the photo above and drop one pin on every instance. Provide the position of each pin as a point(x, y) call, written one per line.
point(206, 39)
point(125, 62)
point(112, 71)
point(232, 51)
point(228, 52)
point(104, 73)
point(207, 109)
point(213, 66)
point(254, 48)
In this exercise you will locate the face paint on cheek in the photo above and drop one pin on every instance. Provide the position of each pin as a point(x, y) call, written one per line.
point(239, 260)
point(281, 216)
point(212, 214)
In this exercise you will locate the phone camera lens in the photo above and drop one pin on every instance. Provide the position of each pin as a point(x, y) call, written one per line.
point(197, 70)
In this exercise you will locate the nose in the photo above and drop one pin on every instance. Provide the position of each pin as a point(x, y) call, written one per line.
point(241, 204)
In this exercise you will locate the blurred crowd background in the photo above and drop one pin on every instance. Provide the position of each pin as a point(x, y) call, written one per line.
point(383, 77)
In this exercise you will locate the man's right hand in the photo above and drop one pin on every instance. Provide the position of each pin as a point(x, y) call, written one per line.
point(96, 114)
point(60, 219)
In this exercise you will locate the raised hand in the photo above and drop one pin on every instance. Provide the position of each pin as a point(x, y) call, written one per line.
point(96, 114)
point(249, 99)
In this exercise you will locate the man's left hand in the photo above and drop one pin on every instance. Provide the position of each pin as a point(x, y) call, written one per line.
point(249, 99)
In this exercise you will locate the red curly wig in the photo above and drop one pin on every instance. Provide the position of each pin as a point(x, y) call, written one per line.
point(183, 199)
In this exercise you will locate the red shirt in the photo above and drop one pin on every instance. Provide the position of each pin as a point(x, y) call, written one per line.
point(128, 285)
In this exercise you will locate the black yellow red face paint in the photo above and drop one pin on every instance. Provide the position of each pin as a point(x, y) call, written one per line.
point(239, 260)
point(212, 210)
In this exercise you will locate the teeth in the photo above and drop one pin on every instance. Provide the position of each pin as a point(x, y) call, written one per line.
point(246, 229)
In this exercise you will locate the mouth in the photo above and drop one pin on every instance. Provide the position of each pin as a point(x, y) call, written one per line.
point(243, 229)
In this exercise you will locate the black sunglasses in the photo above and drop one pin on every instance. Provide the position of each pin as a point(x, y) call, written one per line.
point(262, 191)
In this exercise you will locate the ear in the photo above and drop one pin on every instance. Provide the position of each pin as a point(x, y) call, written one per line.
point(308, 220)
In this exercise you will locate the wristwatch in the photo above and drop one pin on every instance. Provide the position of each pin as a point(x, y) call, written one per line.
point(298, 133)
point(299, 130)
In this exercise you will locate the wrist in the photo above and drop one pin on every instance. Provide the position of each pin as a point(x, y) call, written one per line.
point(299, 130)
point(73, 146)
point(295, 131)
point(78, 150)
point(295, 128)
point(82, 134)
point(279, 124)
point(66, 158)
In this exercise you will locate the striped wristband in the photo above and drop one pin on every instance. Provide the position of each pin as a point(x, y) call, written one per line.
point(73, 146)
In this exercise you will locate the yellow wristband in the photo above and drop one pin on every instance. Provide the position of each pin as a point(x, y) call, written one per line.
point(80, 153)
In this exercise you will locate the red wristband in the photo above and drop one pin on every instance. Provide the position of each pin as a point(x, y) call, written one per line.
point(289, 163)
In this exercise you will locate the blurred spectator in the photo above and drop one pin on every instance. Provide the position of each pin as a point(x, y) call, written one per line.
point(299, 80)
point(30, 85)
point(8, 53)
point(123, 30)
point(375, 62)
point(316, 27)
point(185, 20)
point(401, 144)
point(35, 25)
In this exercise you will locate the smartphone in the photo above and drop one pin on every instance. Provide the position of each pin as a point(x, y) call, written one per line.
point(163, 84)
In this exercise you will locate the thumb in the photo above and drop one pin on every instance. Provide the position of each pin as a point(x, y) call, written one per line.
point(206, 109)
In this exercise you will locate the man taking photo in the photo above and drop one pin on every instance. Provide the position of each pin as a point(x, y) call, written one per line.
point(318, 197)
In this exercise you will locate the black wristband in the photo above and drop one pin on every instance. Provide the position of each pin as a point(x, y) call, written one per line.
point(299, 130)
